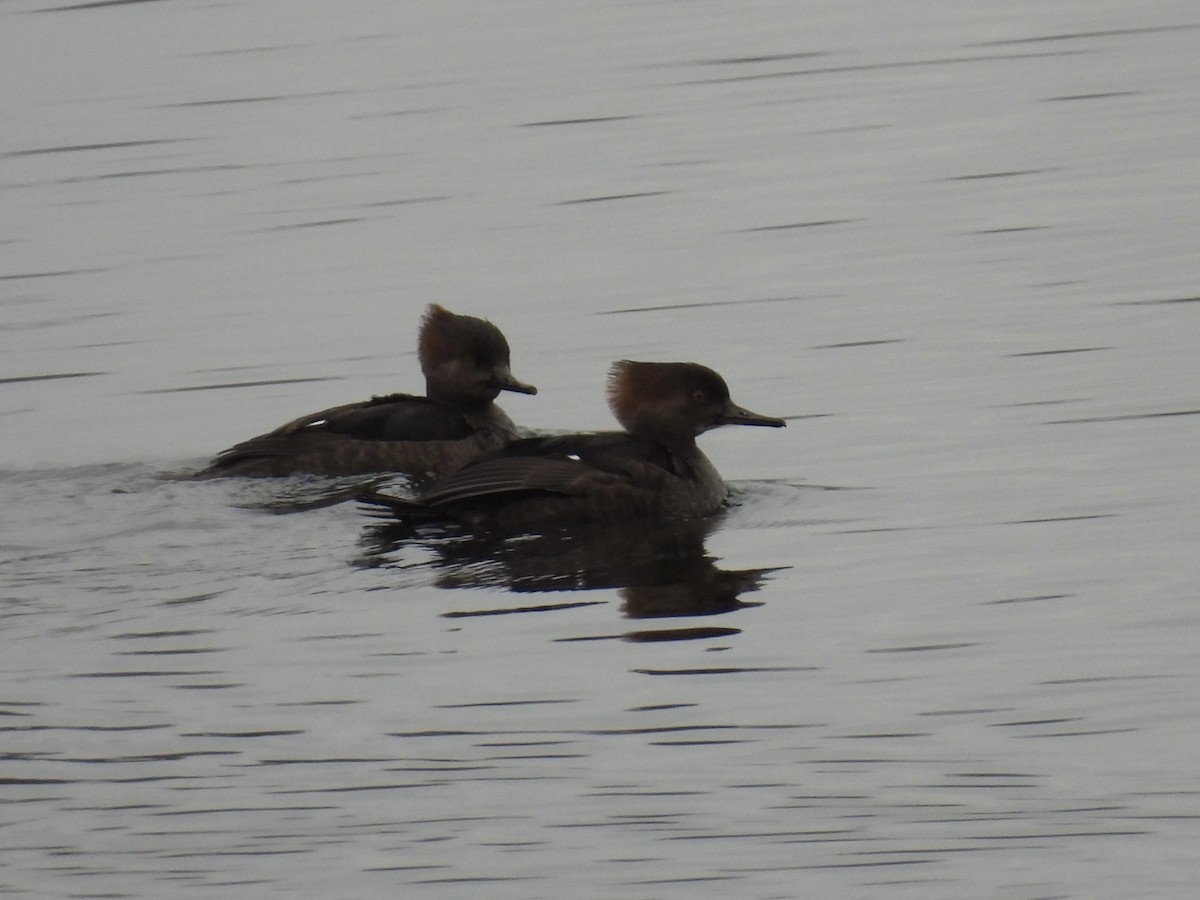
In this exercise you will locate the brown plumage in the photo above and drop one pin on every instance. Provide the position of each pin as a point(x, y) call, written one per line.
point(654, 468)
point(465, 361)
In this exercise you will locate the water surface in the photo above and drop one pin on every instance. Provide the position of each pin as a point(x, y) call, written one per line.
point(942, 645)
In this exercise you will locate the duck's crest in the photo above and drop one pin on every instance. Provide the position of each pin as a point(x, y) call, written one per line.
point(445, 336)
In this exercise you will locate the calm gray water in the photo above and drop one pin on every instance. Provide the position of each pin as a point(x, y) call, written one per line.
point(943, 646)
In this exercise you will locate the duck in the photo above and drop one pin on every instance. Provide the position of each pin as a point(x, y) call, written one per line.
point(466, 364)
point(652, 469)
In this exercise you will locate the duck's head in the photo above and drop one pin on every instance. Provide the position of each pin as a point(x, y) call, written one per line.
point(465, 360)
point(676, 401)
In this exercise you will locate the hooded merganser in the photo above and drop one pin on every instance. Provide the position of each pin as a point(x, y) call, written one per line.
point(465, 361)
point(653, 468)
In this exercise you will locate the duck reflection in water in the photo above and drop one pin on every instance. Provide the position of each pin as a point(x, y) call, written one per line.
point(627, 509)
point(659, 568)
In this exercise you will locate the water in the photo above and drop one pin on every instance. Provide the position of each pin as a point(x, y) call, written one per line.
point(943, 645)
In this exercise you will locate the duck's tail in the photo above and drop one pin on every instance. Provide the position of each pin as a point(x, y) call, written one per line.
point(388, 506)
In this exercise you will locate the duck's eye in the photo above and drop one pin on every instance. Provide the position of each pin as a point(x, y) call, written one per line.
point(699, 398)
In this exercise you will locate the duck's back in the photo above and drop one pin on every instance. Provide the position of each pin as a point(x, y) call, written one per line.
point(578, 478)
point(395, 417)
point(394, 433)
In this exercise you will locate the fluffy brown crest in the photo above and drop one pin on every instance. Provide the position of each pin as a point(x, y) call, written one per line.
point(447, 336)
point(640, 391)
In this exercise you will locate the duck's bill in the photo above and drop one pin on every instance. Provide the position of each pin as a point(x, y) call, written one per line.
point(506, 382)
point(738, 415)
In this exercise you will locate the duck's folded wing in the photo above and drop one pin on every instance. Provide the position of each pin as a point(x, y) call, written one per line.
point(322, 418)
point(566, 465)
point(318, 453)
point(519, 474)
point(395, 417)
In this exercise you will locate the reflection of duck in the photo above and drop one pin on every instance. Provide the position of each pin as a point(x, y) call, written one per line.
point(465, 361)
point(653, 469)
point(660, 568)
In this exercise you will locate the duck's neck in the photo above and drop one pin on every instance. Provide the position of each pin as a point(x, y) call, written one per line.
point(679, 443)
point(441, 392)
